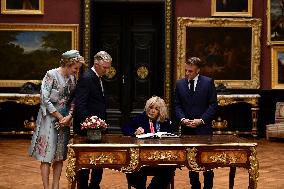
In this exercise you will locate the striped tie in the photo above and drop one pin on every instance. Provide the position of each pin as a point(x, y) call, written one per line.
point(152, 127)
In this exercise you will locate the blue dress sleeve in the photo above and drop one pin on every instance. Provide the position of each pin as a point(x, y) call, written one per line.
point(130, 128)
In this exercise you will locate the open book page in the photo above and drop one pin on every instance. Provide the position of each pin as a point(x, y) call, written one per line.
point(146, 135)
point(156, 135)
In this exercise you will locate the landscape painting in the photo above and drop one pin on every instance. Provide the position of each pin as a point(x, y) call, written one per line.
point(27, 52)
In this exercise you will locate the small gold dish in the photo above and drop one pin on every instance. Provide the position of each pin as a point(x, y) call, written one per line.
point(30, 124)
point(219, 124)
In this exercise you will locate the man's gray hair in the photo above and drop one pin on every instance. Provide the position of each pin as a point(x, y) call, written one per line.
point(102, 56)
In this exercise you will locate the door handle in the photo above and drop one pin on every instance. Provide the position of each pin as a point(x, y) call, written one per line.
point(123, 79)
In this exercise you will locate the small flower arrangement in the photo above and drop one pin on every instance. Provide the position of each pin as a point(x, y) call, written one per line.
point(93, 122)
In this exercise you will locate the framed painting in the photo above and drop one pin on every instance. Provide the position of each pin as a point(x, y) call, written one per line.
point(232, 8)
point(275, 22)
point(227, 58)
point(22, 6)
point(277, 67)
point(28, 51)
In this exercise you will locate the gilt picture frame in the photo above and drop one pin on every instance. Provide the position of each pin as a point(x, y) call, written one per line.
point(28, 50)
point(31, 7)
point(229, 59)
point(232, 8)
point(277, 67)
point(275, 22)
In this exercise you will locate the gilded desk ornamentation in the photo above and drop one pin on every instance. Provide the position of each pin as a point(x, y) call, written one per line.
point(162, 155)
point(254, 167)
point(70, 168)
point(191, 158)
point(223, 158)
point(134, 160)
point(198, 153)
point(102, 159)
point(224, 100)
point(252, 99)
point(27, 99)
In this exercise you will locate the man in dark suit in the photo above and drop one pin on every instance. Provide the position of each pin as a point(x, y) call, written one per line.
point(195, 107)
point(90, 101)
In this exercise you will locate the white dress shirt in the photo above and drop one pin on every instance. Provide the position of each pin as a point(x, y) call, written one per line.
point(99, 78)
point(195, 82)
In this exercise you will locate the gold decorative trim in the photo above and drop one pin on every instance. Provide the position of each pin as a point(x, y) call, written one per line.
point(278, 18)
point(134, 160)
point(254, 24)
point(168, 44)
point(73, 28)
point(223, 158)
point(111, 73)
point(4, 9)
point(142, 72)
point(219, 124)
point(87, 31)
point(102, 159)
point(26, 99)
point(191, 158)
point(168, 50)
point(162, 155)
point(70, 168)
point(275, 72)
point(254, 167)
point(227, 101)
point(30, 124)
point(231, 14)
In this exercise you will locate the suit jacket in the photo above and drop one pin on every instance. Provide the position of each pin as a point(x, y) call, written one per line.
point(142, 120)
point(202, 104)
point(89, 99)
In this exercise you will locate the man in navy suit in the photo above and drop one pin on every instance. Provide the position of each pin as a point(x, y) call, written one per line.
point(90, 101)
point(195, 107)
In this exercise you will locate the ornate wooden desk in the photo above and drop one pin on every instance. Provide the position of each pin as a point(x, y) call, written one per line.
point(128, 154)
point(27, 99)
point(252, 99)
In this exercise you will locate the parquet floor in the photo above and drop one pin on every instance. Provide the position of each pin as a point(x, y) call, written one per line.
point(19, 171)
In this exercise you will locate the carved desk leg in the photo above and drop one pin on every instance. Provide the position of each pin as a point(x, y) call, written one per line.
point(253, 170)
point(70, 169)
point(134, 161)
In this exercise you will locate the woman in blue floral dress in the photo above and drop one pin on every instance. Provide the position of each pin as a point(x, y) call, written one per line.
point(51, 136)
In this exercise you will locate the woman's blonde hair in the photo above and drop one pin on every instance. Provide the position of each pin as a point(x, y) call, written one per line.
point(160, 103)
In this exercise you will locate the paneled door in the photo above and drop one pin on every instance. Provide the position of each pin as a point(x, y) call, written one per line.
point(133, 34)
